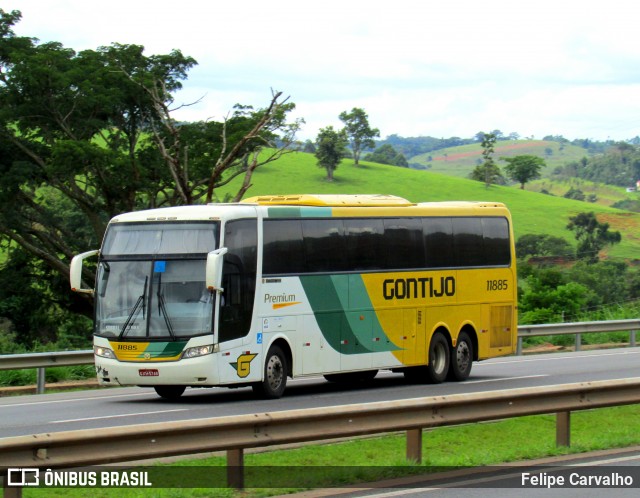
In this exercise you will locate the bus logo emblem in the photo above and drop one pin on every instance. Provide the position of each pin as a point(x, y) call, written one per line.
point(243, 365)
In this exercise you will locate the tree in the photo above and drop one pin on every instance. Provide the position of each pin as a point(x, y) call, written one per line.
point(309, 147)
point(609, 282)
point(592, 236)
point(386, 154)
point(487, 172)
point(574, 193)
point(330, 149)
point(549, 300)
point(542, 245)
point(358, 131)
point(85, 136)
point(523, 168)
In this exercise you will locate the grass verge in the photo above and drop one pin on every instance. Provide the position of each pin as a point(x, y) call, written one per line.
point(367, 460)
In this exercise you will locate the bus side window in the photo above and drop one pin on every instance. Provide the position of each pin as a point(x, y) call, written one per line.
point(238, 279)
point(364, 243)
point(438, 242)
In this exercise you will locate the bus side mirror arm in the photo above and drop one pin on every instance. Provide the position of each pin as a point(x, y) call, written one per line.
point(75, 272)
point(213, 272)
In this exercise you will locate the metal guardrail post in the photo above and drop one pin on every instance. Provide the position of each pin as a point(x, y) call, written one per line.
point(563, 429)
point(519, 347)
point(41, 380)
point(235, 468)
point(578, 342)
point(632, 338)
point(414, 445)
point(10, 491)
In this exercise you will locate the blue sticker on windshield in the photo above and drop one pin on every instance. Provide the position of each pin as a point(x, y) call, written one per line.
point(159, 266)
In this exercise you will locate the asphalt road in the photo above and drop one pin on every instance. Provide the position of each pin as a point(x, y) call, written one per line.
point(95, 409)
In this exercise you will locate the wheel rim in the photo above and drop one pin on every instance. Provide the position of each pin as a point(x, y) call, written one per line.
point(463, 356)
point(439, 358)
point(275, 372)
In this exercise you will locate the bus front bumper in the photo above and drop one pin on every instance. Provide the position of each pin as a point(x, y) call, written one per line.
point(200, 371)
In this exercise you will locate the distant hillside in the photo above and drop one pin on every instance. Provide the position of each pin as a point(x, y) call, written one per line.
point(460, 161)
point(297, 173)
point(606, 195)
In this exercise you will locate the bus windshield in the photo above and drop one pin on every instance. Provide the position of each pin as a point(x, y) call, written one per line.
point(151, 281)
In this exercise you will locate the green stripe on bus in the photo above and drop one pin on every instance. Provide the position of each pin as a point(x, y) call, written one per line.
point(299, 212)
point(348, 332)
point(164, 349)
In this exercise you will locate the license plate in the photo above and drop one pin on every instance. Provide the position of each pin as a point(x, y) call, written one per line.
point(148, 372)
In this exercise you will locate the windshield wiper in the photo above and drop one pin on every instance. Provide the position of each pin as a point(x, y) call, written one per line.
point(140, 303)
point(162, 308)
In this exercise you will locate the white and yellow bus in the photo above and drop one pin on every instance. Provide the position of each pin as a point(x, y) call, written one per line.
point(253, 293)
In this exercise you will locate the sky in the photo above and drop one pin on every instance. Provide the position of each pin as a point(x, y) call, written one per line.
point(417, 68)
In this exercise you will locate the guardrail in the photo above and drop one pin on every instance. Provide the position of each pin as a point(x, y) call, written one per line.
point(85, 357)
point(236, 433)
point(578, 328)
point(43, 360)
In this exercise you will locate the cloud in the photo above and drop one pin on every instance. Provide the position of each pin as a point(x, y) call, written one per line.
point(417, 68)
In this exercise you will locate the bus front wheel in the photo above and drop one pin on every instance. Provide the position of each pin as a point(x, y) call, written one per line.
point(275, 375)
point(438, 366)
point(169, 392)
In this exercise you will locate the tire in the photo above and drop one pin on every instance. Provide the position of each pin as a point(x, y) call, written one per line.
point(170, 392)
point(275, 375)
point(461, 358)
point(439, 359)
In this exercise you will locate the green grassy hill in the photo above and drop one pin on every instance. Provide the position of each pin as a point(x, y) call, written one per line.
point(607, 195)
point(460, 161)
point(536, 213)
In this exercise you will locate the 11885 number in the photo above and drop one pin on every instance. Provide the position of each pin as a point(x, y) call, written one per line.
point(497, 285)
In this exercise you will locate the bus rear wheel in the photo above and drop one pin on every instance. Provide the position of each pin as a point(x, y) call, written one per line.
point(275, 375)
point(439, 358)
point(169, 392)
point(461, 358)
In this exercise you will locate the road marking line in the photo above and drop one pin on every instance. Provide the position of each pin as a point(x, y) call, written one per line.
point(544, 357)
point(75, 399)
point(116, 416)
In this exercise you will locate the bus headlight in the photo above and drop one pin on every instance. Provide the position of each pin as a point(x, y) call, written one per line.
point(103, 352)
point(197, 351)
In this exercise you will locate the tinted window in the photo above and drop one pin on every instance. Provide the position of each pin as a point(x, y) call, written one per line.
point(283, 249)
point(238, 279)
point(438, 241)
point(324, 245)
point(160, 238)
point(468, 243)
point(314, 245)
point(496, 241)
point(364, 243)
point(403, 243)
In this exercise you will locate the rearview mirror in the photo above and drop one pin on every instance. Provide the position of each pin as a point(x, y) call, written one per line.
point(213, 272)
point(75, 272)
